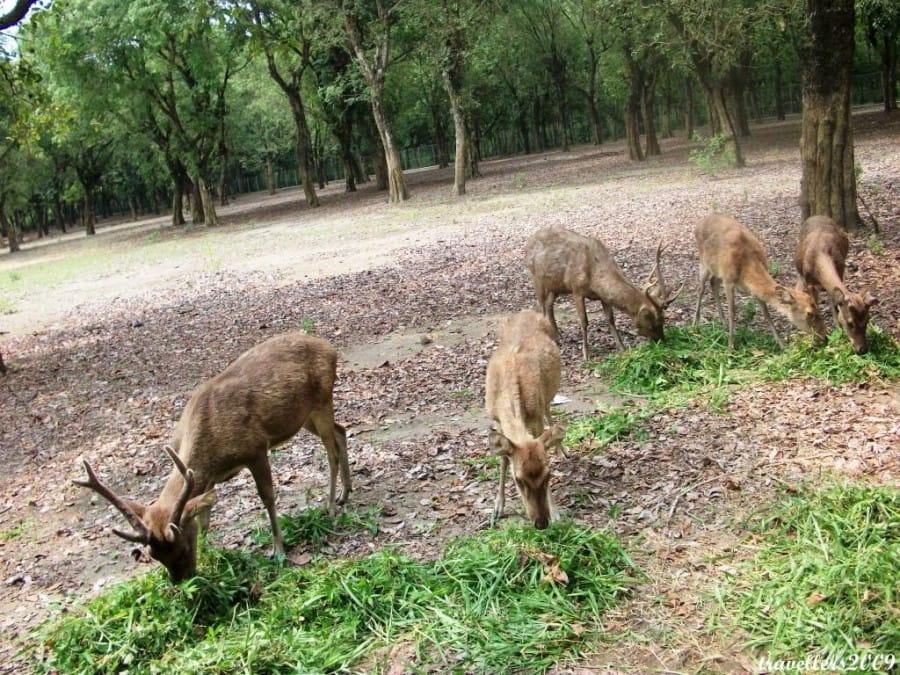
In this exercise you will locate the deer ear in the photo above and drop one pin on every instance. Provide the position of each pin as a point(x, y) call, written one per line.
point(837, 296)
point(553, 436)
point(499, 443)
point(138, 508)
point(785, 296)
point(869, 298)
point(199, 504)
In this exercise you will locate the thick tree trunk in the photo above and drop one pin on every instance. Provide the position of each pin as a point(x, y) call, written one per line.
point(209, 205)
point(889, 76)
point(632, 129)
point(828, 184)
point(651, 143)
point(304, 154)
point(397, 190)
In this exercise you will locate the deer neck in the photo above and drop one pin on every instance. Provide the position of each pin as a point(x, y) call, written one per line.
point(825, 274)
point(623, 295)
point(511, 416)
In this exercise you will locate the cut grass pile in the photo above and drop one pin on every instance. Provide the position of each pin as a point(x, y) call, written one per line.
point(824, 579)
point(695, 364)
point(510, 596)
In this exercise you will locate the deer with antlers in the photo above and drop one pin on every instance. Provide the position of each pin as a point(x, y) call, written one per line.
point(232, 421)
point(565, 262)
point(732, 257)
point(820, 260)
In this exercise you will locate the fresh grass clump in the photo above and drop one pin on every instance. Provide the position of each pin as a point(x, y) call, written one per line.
point(314, 526)
point(690, 360)
point(824, 581)
point(508, 596)
point(616, 424)
point(835, 361)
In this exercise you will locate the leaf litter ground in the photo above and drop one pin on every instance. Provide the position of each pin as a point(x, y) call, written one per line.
point(412, 295)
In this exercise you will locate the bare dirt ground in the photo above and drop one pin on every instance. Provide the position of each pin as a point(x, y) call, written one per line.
point(103, 356)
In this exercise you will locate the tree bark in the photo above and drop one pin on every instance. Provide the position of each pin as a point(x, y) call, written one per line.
point(211, 219)
point(828, 183)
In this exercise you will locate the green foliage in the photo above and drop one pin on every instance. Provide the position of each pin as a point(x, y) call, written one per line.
point(598, 431)
point(512, 595)
point(714, 154)
point(875, 244)
point(824, 578)
point(315, 526)
point(308, 325)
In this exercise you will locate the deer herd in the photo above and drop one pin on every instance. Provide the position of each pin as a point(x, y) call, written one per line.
point(285, 383)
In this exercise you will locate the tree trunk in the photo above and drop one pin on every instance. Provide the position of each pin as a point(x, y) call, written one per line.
point(779, 91)
point(889, 76)
point(209, 205)
point(828, 184)
point(397, 190)
point(12, 231)
point(87, 213)
point(452, 76)
point(304, 151)
point(632, 130)
point(197, 205)
point(270, 174)
point(650, 140)
point(688, 110)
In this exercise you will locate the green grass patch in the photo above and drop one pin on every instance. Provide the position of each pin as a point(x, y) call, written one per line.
point(824, 579)
point(695, 363)
point(315, 526)
point(508, 596)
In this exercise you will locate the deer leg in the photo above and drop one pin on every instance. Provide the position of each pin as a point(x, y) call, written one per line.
point(321, 423)
point(500, 501)
point(771, 323)
point(582, 317)
point(262, 474)
point(611, 320)
point(729, 295)
point(549, 299)
point(704, 279)
point(717, 296)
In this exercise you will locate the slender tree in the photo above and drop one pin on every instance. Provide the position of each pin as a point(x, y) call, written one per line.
point(369, 34)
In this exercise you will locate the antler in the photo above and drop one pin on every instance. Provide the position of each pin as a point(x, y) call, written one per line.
point(178, 509)
point(659, 297)
point(141, 534)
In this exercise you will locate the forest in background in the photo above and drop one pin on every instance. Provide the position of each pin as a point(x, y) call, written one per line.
point(156, 107)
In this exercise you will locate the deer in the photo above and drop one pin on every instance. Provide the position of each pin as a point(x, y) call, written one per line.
point(522, 378)
point(232, 421)
point(820, 260)
point(564, 262)
point(731, 256)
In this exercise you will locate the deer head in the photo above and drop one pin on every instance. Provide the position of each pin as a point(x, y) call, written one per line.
point(853, 315)
point(168, 528)
point(531, 470)
point(650, 318)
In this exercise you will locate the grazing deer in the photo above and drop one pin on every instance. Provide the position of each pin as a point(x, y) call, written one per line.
point(731, 256)
point(565, 262)
point(232, 421)
point(820, 258)
point(522, 379)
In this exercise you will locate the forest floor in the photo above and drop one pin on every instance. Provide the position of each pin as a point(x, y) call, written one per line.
point(107, 336)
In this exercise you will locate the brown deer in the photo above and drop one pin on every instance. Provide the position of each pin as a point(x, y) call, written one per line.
point(232, 421)
point(565, 262)
point(732, 257)
point(522, 378)
point(820, 259)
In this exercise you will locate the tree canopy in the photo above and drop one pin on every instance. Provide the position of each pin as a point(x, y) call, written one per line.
point(156, 105)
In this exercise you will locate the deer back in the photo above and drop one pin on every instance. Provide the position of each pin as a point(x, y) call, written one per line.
point(258, 402)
